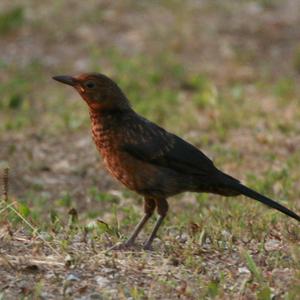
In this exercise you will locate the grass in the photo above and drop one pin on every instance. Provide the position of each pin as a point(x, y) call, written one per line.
point(63, 211)
point(11, 20)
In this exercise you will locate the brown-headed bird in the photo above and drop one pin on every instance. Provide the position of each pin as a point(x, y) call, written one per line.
point(148, 159)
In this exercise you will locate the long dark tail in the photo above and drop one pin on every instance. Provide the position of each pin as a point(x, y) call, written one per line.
point(263, 199)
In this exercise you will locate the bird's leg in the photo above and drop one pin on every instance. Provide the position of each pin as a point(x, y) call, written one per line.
point(162, 209)
point(137, 230)
point(149, 207)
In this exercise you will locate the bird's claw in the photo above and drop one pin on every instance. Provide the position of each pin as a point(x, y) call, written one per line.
point(121, 246)
point(129, 245)
point(147, 246)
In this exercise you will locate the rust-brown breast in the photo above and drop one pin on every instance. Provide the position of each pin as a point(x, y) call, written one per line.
point(133, 173)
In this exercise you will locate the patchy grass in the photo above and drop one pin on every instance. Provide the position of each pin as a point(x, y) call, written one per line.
point(216, 77)
point(11, 19)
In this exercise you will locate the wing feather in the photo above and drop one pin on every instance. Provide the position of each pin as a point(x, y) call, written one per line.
point(159, 147)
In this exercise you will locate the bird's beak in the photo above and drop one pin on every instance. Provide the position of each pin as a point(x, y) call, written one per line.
point(66, 79)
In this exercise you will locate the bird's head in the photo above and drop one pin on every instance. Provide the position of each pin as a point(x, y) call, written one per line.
point(98, 91)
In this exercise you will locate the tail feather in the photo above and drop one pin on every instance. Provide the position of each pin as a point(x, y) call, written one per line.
point(263, 199)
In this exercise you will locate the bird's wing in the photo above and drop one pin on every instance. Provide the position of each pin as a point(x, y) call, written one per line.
point(153, 144)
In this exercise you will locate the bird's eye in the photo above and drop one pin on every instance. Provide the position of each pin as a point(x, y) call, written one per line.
point(90, 84)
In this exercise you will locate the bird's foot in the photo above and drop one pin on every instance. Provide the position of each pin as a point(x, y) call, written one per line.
point(122, 246)
point(147, 246)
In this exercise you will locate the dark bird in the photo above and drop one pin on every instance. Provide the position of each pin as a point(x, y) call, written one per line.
point(148, 159)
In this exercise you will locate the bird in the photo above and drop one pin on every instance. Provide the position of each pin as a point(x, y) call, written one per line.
point(148, 159)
